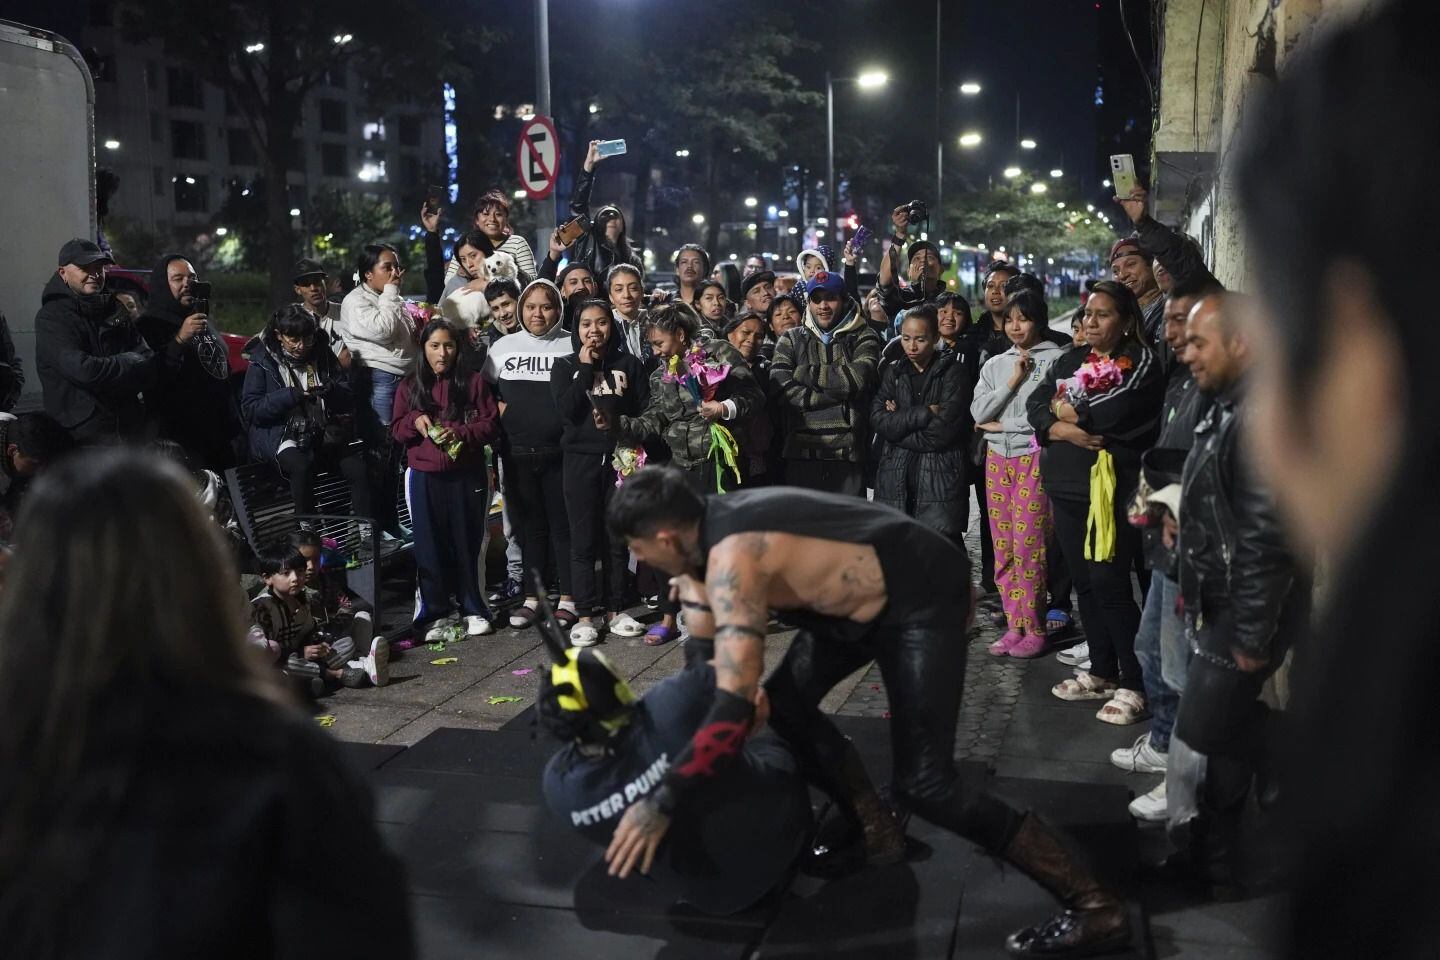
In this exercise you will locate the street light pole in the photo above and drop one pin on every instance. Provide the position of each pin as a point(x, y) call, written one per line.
point(939, 144)
point(546, 207)
point(830, 151)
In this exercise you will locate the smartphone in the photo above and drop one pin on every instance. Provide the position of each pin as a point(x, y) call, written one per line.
point(861, 236)
point(433, 196)
point(610, 148)
point(572, 230)
point(201, 303)
point(1122, 174)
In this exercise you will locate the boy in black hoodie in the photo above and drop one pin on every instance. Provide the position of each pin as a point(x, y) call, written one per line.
point(601, 373)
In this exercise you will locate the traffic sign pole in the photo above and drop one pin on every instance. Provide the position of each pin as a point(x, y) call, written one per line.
point(546, 208)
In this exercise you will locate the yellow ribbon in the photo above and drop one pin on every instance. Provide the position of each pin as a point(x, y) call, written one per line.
point(1100, 522)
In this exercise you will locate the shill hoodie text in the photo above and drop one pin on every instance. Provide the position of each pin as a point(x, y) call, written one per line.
point(519, 365)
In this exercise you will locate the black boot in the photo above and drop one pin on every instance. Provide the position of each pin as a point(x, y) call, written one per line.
point(881, 840)
point(1095, 920)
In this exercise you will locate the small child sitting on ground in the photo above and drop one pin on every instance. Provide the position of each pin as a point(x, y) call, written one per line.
point(295, 629)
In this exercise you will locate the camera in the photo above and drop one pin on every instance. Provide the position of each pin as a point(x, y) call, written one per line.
point(916, 211)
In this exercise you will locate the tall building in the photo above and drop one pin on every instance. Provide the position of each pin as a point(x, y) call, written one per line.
point(177, 144)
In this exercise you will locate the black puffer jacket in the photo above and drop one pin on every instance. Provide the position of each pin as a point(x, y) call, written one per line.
point(93, 364)
point(923, 468)
point(1235, 567)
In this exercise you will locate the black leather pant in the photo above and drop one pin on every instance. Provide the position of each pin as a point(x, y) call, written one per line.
point(923, 665)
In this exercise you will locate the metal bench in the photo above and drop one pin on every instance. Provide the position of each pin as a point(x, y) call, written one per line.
point(266, 513)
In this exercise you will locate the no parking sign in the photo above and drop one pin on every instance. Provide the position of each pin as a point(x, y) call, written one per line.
point(538, 157)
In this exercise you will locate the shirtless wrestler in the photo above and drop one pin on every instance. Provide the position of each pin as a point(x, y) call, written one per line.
point(859, 581)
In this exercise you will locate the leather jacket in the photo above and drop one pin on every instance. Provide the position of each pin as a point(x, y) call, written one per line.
point(1238, 577)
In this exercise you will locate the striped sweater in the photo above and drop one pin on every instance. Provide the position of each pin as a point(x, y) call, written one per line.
point(826, 388)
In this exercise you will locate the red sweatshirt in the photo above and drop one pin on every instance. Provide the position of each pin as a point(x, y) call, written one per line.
point(479, 425)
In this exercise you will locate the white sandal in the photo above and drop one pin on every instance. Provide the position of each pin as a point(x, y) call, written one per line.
point(1084, 686)
point(1125, 708)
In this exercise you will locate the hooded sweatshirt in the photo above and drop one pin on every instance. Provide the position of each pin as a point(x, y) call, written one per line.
point(618, 374)
point(377, 329)
point(192, 403)
point(519, 365)
point(994, 400)
point(826, 379)
point(93, 364)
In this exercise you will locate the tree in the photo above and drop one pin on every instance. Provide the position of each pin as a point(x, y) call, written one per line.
point(1014, 217)
point(267, 55)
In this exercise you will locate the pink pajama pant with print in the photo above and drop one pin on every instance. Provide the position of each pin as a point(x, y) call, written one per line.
point(1019, 514)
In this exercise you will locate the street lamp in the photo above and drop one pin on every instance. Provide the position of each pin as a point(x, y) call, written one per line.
point(1012, 172)
point(970, 89)
point(970, 139)
point(751, 201)
point(112, 144)
point(1057, 173)
point(869, 80)
point(698, 219)
point(1038, 188)
point(682, 152)
point(1027, 144)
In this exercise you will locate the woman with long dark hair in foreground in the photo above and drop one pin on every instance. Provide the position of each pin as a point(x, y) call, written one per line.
point(158, 797)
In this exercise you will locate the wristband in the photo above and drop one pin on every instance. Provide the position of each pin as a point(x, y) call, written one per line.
point(717, 740)
point(692, 605)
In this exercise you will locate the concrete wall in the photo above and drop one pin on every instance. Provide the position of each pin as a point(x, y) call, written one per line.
point(1216, 56)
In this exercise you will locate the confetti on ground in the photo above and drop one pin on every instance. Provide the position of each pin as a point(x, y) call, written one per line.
point(495, 700)
point(443, 661)
point(326, 721)
point(521, 672)
point(437, 647)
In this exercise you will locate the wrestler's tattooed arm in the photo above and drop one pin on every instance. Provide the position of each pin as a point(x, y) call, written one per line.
point(738, 589)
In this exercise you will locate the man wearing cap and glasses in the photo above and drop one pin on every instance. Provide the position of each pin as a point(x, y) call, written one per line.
point(312, 291)
point(93, 363)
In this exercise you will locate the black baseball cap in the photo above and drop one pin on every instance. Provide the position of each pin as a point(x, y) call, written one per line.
point(308, 268)
point(82, 253)
point(760, 276)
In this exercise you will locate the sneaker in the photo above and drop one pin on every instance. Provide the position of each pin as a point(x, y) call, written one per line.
point(354, 677)
point(1150, 807)
point(478, 626)
point(1140, 757)
point(653, 602)
point(507, 591)
point(1072, 656)
point(523, 616)
point(584, 634)
point(1082, 667)
point(439, 631)
point(377, 662)
point(625, 625)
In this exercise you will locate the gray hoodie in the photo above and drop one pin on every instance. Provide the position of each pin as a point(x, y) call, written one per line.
point(994, 400)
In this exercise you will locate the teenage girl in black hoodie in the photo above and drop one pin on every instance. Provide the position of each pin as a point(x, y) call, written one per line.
point(600, 373)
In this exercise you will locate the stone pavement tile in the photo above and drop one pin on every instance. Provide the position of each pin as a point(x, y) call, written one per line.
point(1066, 731)
point(1247, 924)
point(370, 722)
point(1076, 771)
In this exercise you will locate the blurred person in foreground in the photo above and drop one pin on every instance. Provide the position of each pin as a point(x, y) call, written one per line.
point(149, 768)
point(1340, 341)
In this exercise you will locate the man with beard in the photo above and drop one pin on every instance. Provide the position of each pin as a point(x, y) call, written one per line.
point(826, 372)
point(192, 402)
point(857, 578)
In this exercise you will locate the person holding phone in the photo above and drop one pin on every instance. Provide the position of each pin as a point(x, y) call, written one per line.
point(191, 402)
point(605, 244)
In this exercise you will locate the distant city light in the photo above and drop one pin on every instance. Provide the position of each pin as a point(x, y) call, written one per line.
point(190, 181)
point(594, 108)
point(793, 230)
point(971, 139)
point(1104, 183)
point(822, 221)
point(970, 89)
point(294, 211)
point(784, 213)
point(519, 194)
point(343, 38)
point(221, 231)
point(751, 201)
point(1057, 172)
point(1027, 144)
point(1090, 207)
point(1060, 205)
point(255, 48)
point(1012, 172)
point(1038, 188)
point(112, 144)
point(682, 152)
point(873, 78)
point(698, 219)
